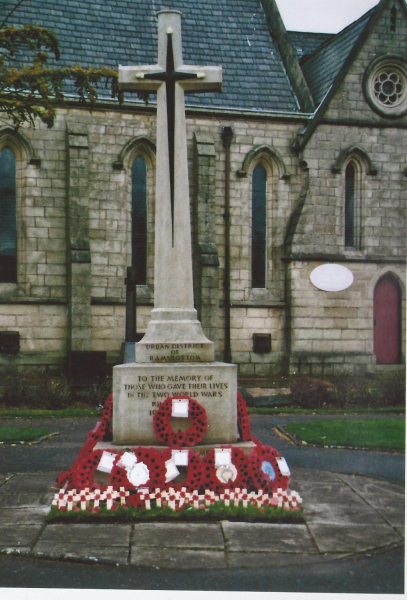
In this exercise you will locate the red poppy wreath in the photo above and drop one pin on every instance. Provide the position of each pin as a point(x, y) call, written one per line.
point(235, 475)
point(195, 432)
point(194, 471)
point(265, 471)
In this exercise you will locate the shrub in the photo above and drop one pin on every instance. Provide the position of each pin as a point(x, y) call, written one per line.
point(359, 392)
point(51, 393)
point(19, 391)
point(310, 393)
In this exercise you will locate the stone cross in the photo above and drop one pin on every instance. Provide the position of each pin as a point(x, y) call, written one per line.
point(170, 79)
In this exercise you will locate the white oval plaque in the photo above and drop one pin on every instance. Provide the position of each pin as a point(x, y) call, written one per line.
point(331, 277)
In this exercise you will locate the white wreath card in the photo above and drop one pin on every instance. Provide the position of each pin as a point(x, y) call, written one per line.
point(180, 407)
point(223, 457)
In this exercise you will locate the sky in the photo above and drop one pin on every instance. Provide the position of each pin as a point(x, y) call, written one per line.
point(328, 16)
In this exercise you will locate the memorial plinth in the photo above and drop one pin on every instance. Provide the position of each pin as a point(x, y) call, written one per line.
point(174, 335)
point(138, 390)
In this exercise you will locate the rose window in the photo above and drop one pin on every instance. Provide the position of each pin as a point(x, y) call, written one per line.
point(389, 88)
point(386, 86)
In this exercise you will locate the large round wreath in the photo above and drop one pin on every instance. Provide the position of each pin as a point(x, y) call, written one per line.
point(239, 465)
point(264, 469)
point(152, 460)
point(194, 471)
point(195, 432)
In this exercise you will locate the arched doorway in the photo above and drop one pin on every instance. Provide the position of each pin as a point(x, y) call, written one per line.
point(386, 321)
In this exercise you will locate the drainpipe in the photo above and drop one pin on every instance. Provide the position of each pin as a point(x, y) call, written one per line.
point(227, 134)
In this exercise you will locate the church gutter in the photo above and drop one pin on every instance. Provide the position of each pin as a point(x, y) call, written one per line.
point(255, 114)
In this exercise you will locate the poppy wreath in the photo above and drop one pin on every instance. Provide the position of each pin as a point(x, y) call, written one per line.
point(99, 433)
point(195, 470)
point(103, 429)
point(195, 432)
point(151, 458)
point(239, 460)
point(82, 475)
point(243, 422)
point(264, 469)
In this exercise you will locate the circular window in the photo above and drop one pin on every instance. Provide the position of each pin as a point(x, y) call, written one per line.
point(386, 86)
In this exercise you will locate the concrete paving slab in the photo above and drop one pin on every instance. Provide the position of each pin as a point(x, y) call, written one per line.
point(26, 490)
point(357, 538)
point(103, 554)
point(179, 535)
point(4, 478)
point(386, 498)
point(19, 535)
point(401, 531)
point(26, 500)
point(91, 535)
point(310, 476)
point(23, 516)
point(30, 483)
point(341, 514)
point(174, 558)
point(267, 537)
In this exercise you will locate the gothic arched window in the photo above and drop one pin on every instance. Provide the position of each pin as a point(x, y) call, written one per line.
point(139, 219)
point(259, 227)
point(8, 217)
point(350, 191)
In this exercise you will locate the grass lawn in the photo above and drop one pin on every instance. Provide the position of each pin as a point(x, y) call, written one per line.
point(362, 433)
point(34, 413)
point(24, 434)
point(293, 410)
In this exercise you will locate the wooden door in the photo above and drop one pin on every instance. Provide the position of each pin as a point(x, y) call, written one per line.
point(386, 315)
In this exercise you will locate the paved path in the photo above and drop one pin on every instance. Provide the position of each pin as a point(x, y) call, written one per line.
point(347, 511)
point(345, 515)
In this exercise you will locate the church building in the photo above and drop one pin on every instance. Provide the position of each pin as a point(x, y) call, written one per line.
point(299, 162)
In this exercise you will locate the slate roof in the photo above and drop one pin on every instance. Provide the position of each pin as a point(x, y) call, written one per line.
point(305, 43)
point(321, 68)
point(231, 33)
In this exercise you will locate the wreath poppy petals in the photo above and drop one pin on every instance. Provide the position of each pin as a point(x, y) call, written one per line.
point(194, 478)
point(239, 462)
point(243, 422)
point(83, 474)
point(151, 458)
point(195, 432)
point(102, 431)
point(264, 469)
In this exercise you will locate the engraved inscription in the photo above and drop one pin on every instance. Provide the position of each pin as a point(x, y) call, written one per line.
point(158, 387)
point(176, 352)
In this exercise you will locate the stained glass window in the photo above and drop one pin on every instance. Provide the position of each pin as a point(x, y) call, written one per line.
point(259, 227)
point(139, 219)
point(8, 217)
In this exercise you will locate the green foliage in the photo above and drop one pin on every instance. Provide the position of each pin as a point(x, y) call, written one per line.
point(214, 513)
point(44, 413)
point(310, 393)
point(30, 87)
point(361, 433)
point(23, 434)
point(20, 391)
point(348, 392)
point(288, 410)
point(55, 394)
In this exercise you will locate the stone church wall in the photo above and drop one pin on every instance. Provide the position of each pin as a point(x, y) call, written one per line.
point(332, 332)
point(74, 238)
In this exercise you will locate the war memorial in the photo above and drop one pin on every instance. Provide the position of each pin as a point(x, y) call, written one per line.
point(175, 432)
